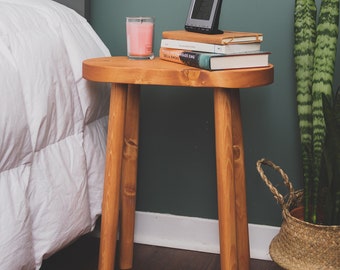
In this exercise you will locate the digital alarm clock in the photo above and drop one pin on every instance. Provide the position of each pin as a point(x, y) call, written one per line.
point(204, 16)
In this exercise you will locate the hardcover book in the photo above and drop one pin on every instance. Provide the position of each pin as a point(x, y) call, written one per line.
point(227, 37)
point(208, 47)
point(213, 61)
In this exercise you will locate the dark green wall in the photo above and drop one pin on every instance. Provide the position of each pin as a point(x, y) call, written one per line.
point(176, 163)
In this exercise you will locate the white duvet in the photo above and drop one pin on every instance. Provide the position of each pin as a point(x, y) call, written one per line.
point(52, 131)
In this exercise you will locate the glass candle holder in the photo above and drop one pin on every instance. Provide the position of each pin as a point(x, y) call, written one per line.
point(139, 37)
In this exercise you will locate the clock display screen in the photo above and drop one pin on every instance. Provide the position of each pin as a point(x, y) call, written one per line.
point(202, 9)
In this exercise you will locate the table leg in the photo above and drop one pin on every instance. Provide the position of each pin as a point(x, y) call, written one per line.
point(234, 236)
point(240, 184)
point(111, 198)
point(225, 179)
point(129, 177)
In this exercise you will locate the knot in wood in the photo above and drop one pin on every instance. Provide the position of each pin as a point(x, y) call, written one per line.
point(130, 149)
point(236, 151)
point(192, 74)
point(129, 191)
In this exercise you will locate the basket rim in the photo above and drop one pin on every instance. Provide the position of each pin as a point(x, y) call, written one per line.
point(286, 213)
point(294, 200)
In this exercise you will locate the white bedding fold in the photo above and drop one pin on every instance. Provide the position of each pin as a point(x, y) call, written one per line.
point(52, 128)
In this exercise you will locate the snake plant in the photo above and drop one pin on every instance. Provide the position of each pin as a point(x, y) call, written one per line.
point(331, 160)
point(314, 54)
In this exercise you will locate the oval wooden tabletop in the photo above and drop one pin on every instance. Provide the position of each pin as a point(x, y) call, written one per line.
point(120, 69)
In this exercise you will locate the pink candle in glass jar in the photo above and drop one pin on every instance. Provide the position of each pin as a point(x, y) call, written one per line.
point(139, 37)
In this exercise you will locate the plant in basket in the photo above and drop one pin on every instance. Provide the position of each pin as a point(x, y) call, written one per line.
point(315, 54)
point(313, 242)
point(330, 165)
point(300, 245)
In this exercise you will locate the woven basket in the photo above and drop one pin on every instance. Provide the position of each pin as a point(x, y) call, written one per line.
point(299, 244)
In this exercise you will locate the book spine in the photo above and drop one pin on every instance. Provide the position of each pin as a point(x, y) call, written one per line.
point(210, 48)
point(193, 59)
point(193, 46)
point(227, 37)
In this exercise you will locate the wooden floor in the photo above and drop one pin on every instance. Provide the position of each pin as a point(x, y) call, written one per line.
point(83, 255)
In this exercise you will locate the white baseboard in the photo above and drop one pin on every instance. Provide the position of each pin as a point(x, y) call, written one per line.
point(196, 234)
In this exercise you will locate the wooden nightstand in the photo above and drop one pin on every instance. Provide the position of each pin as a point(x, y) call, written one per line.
point(126, 77)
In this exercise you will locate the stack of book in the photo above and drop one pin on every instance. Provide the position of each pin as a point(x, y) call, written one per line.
point(229, 50)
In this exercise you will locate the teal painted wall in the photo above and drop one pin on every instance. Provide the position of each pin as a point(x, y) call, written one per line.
point(176, 162)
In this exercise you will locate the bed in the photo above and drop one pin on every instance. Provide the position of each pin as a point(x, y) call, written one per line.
point(52, 131)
